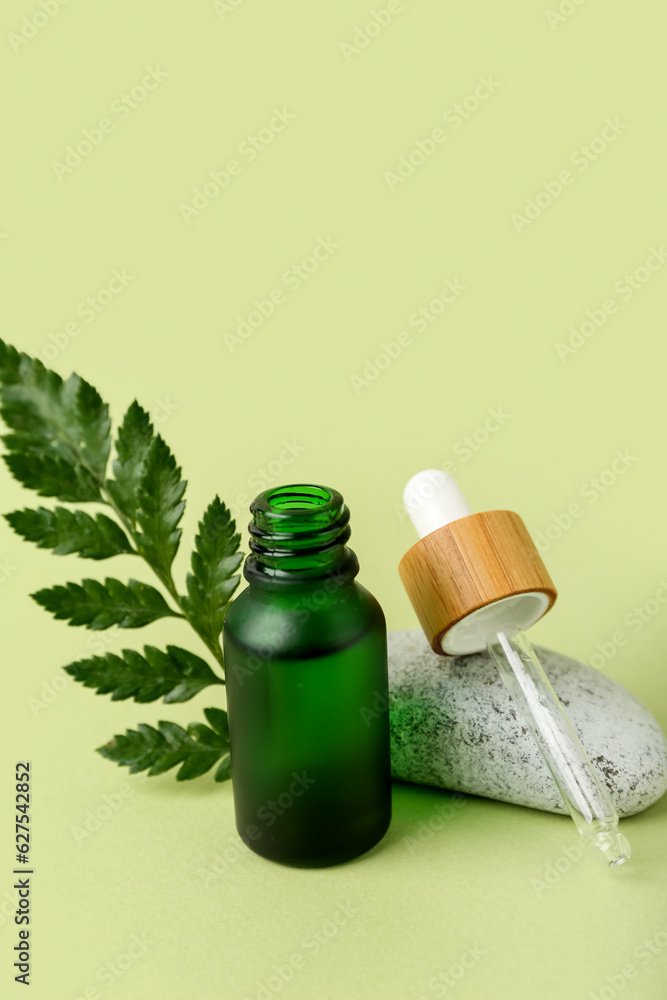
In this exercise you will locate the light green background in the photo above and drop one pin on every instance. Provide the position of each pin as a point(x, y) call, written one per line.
point(479, 883)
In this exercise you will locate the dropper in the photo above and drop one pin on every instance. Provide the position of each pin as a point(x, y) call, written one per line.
point(476, 582)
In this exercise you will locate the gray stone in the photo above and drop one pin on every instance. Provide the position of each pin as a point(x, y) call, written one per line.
point(453, 725)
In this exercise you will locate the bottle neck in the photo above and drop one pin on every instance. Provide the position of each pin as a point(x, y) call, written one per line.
point(299, 534)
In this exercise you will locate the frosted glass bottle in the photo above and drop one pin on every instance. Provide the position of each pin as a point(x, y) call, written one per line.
point(306, 664)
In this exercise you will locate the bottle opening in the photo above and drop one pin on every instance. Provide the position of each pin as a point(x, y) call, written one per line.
point(298, 497)
point(297, 530)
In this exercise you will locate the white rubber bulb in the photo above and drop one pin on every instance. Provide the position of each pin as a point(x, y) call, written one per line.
point(432, 499)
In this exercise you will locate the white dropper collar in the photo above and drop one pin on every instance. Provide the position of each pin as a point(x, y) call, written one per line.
point(434, 499)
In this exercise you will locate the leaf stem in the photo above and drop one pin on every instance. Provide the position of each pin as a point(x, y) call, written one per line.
point(165, 579)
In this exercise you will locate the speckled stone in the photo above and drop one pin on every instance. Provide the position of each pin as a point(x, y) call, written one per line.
point(453, 725)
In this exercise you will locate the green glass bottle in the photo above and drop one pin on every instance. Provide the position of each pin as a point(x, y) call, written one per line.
point(306, 665)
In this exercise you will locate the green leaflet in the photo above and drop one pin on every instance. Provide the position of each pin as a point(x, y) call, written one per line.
point(175, 675)
point(132, 444)
point(218, 721)
point(10, 360)
point(53, 477)
point(67, 531)
point(98, 606)
point(159, 508)
point(197, 749)
point(53, 421)
point(212, 581)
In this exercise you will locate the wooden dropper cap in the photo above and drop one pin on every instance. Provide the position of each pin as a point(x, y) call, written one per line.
point(469, 575)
